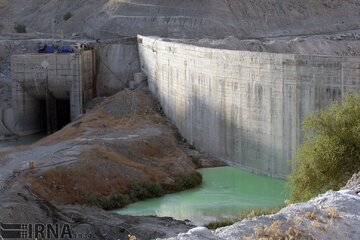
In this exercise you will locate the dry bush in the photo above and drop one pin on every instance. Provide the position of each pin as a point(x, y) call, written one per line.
point(333, 213)
point(313, 216)
point(100, 171)
point(244, 215)
point(270, 232)
point(106, 174)
point(278, 231)
point(4, 3)
point(3, 154)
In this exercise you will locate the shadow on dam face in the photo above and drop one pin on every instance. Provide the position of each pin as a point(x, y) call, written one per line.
point(243, 107)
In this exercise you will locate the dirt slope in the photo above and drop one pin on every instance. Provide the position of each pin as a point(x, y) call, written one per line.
point(122, 150)
point(121, 145)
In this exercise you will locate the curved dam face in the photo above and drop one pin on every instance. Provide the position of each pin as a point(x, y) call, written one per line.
point(244, 107)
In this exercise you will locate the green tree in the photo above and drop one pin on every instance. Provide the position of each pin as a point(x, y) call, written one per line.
point(330, 154)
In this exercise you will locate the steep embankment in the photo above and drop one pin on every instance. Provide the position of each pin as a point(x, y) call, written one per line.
point(179, 18)
point(121, 151)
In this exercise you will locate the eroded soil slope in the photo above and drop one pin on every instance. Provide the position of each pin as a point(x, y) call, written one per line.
point(122, 150)
point(121, 145)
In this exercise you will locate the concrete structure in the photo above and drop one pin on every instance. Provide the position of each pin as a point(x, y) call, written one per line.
point(244, 107)
point(5, 121)
point(116, 64)
point(49, 90)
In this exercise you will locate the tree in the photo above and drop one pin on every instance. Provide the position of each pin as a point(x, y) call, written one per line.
point(67, 16)
point(330, 154)
point(20, 28)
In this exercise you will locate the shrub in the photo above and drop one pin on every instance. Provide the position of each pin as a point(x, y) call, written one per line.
point(67, 16)
point(330, 154)
point(219, 224)
point(142, 191)
point(247, 214)
point(196, 161)
point(113, 201)
point(184, 183)
point(20, 28)
point(192, 147)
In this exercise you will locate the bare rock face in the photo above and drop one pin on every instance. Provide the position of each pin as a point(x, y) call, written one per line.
point(333, 215)
point(354, 183)
point(93, 223)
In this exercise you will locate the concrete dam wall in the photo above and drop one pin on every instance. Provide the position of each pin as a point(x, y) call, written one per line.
point(244, 107)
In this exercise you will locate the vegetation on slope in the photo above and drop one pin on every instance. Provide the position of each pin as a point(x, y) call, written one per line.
point(143, 190)
point(243, 215)
point(121, 151)
point(330, 154)
point(20, 28)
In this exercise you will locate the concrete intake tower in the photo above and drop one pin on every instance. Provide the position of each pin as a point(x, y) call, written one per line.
point(49, 90)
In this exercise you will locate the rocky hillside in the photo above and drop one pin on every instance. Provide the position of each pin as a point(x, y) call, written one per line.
point(181, 18)
point(122, 150)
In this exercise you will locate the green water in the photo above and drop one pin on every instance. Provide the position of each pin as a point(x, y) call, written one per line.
point(225, 193)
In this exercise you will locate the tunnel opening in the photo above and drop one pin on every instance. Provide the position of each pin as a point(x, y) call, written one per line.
point(43, 118)
point(54, 114)
point(62, 113)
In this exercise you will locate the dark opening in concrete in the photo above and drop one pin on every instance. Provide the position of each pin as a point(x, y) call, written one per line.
point(54, 114)
point(43, 117)
point(63, 113)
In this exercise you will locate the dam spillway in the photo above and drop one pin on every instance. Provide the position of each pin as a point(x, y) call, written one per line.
point(243, 107)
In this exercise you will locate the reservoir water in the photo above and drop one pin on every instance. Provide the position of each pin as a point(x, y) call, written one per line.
point(224, 193)
point(27, 140)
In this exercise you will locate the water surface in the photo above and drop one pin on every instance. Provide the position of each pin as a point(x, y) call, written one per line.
point(225, 193)
point(26, 140)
